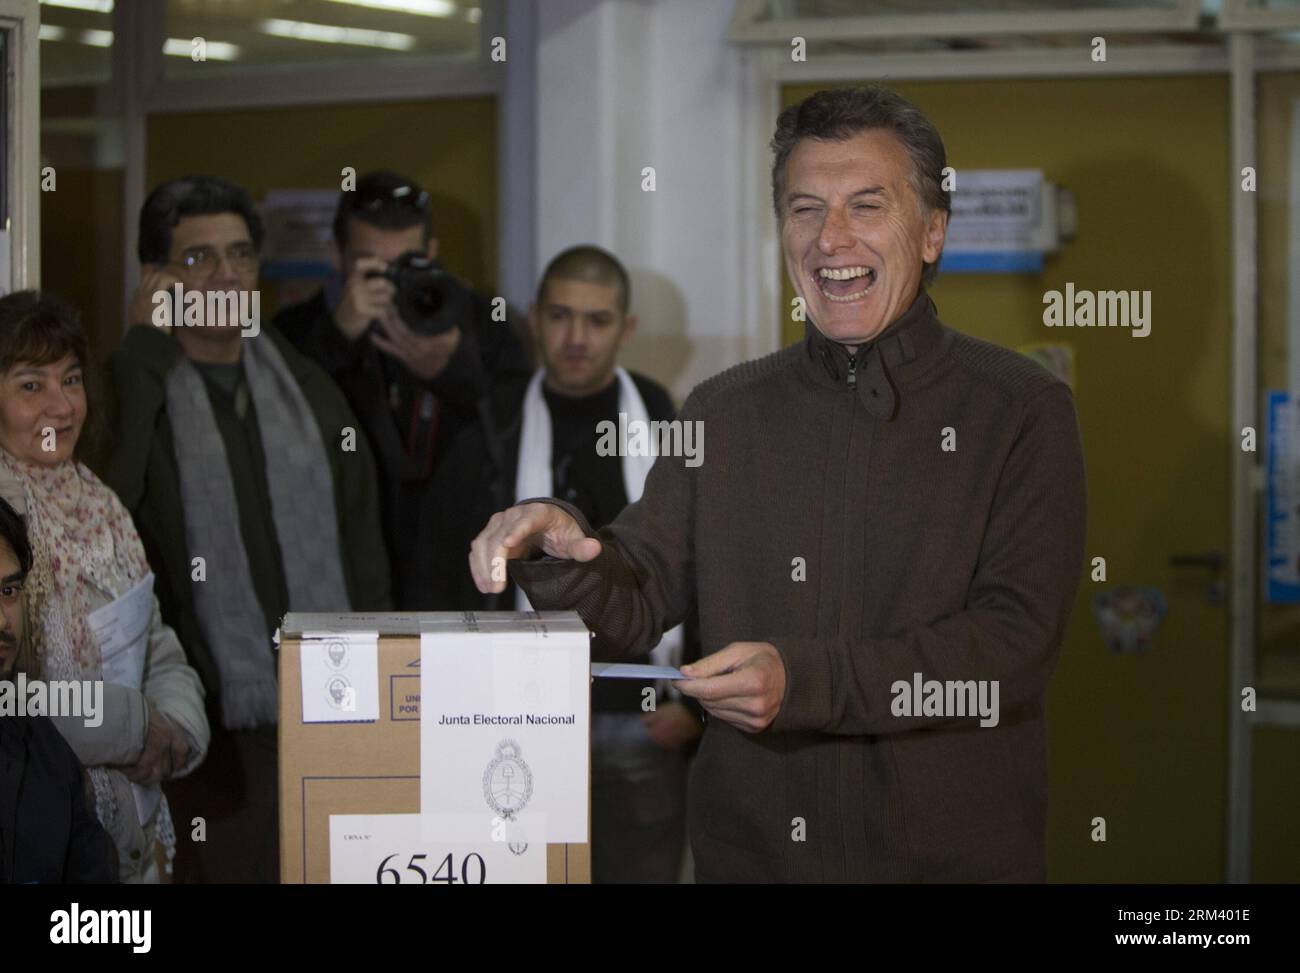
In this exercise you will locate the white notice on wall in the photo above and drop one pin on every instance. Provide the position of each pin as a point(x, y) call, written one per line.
point(504, 730)
point(995, 209)
point(387, 849)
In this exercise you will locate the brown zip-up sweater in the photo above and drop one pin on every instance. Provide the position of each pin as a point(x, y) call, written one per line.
point(919, 508)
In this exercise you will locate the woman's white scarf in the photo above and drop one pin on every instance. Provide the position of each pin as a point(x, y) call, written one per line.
point(534, 476)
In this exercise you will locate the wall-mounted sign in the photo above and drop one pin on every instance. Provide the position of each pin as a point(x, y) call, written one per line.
point(299, 226)
point(1003, 221)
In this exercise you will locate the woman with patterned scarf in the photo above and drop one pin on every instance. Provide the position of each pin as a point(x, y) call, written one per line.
point(86, 556)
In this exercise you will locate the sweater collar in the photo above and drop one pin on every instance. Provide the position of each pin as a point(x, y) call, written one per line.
point(914, 336)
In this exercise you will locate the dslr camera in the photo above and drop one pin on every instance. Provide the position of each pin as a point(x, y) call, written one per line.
point(429, 300)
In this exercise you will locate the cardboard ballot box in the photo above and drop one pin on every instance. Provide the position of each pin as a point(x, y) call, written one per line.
point(504, 778)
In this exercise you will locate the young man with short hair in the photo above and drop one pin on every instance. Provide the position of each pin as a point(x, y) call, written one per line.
point(550, 436)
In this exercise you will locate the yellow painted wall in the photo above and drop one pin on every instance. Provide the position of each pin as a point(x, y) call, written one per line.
point(448, 146)
point(1138, 740)
point(81, 250)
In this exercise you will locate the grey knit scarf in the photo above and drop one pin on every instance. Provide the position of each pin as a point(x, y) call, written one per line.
point(302, 508)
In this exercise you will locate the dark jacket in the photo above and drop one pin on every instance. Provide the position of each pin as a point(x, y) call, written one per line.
point(475, 480)
point(409, 443)
point(141, 469)
point(48, 829)
point(829, 518)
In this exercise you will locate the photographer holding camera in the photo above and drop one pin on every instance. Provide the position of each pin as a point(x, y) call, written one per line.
point(413, 349)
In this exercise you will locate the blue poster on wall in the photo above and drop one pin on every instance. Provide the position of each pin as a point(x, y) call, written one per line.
point(1283, 487)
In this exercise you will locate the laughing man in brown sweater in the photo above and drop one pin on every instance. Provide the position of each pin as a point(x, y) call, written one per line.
point(884, 539)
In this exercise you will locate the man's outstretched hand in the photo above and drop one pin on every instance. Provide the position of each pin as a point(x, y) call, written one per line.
point(520, 532)
point(743, 684)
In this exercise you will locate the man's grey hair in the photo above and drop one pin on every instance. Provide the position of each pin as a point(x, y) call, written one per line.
point(838, 114)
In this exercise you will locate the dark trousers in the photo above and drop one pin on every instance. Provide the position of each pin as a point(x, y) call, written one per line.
point(638, 803)
point(236, 793)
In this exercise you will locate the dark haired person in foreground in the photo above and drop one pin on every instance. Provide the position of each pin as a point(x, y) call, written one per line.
point(48, 829)
point(87, 559)
point(836, 547)
point(413, 386)
point(253, 489)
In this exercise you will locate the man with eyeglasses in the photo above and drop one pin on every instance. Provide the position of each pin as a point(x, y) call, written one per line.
point(415, 386)
point(254, 492)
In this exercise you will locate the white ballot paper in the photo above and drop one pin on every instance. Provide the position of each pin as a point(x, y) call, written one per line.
point(504, 730)
point(121, 628)
point(386, 849)
point(629, 670)
point(340, 677)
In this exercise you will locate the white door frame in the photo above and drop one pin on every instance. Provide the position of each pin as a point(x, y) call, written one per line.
point(1246, 471)
point(749, 23)
point(20, 20)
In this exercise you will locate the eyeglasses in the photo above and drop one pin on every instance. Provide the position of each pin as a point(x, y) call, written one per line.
point(203, 261)
point(373, 198)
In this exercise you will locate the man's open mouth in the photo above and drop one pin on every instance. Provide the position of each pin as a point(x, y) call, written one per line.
point(843, 284)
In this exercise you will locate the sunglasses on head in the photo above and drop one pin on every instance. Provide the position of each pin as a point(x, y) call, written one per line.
point(372, 200)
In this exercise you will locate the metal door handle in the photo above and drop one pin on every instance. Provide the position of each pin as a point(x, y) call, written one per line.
point(1213, 560)
point(1216, 592)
